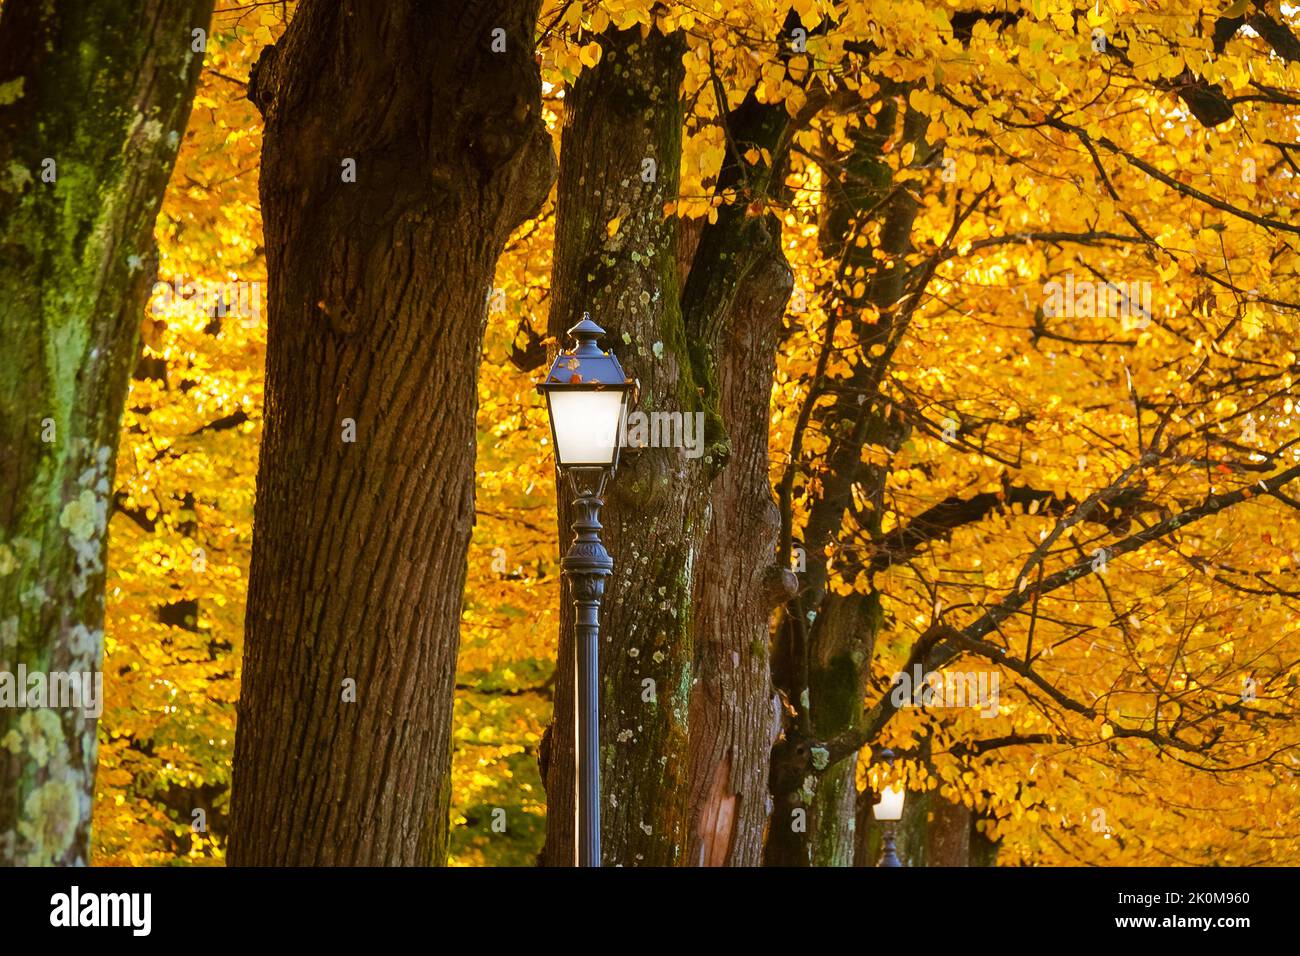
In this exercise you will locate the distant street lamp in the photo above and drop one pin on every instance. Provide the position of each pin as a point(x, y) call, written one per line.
point(587, 395)
point(889, 811)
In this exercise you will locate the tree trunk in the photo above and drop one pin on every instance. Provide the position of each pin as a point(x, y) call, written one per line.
point(734, 713)
point(403, 145)
point(94, 99)
point(736, 290)
point(814, 823)
point(620, 114)
point(827, 640)
point(948, 828)
point(675, 794)
point(983, 848)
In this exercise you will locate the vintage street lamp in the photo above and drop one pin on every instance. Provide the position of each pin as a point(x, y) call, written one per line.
point(889, 811)
point(587, 395)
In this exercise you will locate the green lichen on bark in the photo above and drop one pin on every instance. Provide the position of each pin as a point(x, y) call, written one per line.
point(83, 171)
point(621, 112)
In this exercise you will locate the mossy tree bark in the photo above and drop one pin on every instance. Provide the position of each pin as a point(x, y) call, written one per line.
point(404, 142)
point(699, 346)
point(619, 160)
point(94, 99)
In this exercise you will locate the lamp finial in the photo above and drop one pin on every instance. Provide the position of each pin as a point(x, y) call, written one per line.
point(587, 333)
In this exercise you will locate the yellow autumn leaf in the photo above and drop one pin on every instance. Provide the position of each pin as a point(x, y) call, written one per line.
point(590, 54)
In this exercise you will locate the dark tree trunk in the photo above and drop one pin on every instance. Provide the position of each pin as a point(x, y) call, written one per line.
point(735, 296)
point(94, 98)
point(983, 848)
point(365, 494)
point(948, 830)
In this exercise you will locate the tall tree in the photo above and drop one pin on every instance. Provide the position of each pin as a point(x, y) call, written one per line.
point(738, 286)
point(94, 99)
point(403, 144)
point(695, 310)
point(825, 638)
point(616, 256)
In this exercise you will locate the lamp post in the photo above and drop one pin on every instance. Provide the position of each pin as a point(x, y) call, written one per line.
point(889, 811)
point(587, 395)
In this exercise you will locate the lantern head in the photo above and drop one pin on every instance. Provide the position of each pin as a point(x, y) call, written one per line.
point(587, 398)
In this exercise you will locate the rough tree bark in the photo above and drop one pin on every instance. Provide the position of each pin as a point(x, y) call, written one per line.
point(733, 709)
point(404, 143)
point(623, 120)
point(675, 794)
point(739, 282)
point(94, 99)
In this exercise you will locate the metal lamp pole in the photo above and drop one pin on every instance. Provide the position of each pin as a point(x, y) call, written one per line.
point(890, 855)
point(588, 564)
point(587, 394)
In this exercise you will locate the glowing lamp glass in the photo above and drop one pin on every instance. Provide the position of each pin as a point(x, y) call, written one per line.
point(585, 423)
point(890, 806)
